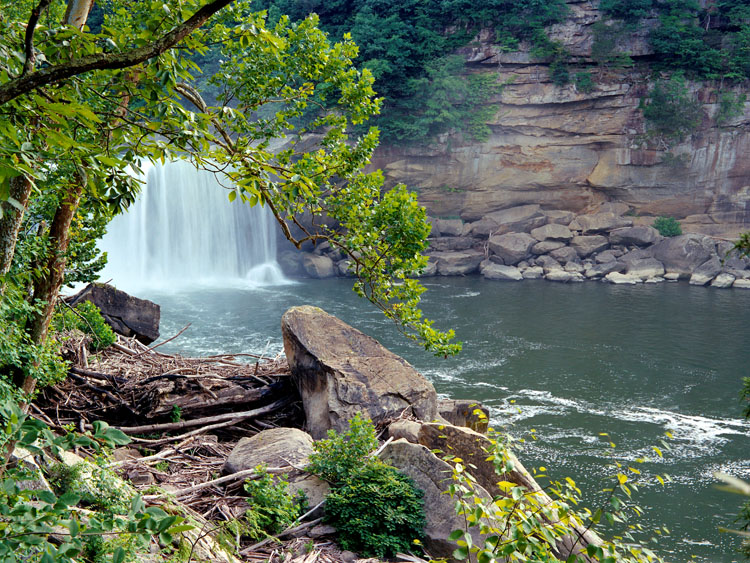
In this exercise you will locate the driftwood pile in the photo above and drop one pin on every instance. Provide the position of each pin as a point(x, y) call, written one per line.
point(185, 415)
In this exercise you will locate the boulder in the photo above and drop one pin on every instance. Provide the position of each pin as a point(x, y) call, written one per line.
point(280, 447)
point(683, 254)
point(635, 255)
point(587, 245)
point(127, 315)
point(559, 217)
point(723, 281)
point(533, 273)
point(645, 268)
point(476, 452)
point(458, 263)
point(502, 273)
point(406, 429)
point(276, 447)
point(599, 223)
point(638, 236)
point(622, 279)
point(574, 267)
point(598, 270)
point(741, 283)
point(290, 262)
point(465, 413)
point(433, 477)
point(565, 254)
point(520, 219)
point(558, 276)
point(442, 244)
point(657, 279)
point(318, 266)
point(607, 256)
point(340, 371)
point(552, 231)
point(548, 263)
point(706, 271)
point(450, 227)
point(512, 247)
point(430, 269)
point(546, 246)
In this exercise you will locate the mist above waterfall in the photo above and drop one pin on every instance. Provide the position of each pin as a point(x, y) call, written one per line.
point(183, 231)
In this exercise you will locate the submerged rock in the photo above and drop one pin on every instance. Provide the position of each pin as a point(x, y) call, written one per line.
point(340, 372)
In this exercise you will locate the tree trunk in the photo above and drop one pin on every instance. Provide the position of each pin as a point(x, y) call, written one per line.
point(47, 286)
point(10, 223)
point(78, 12)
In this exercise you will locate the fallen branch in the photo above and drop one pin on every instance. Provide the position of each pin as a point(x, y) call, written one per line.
point(237, 416)
point(244, 474)
point(187, 326)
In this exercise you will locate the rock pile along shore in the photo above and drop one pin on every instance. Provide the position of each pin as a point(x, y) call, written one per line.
point(528, 242)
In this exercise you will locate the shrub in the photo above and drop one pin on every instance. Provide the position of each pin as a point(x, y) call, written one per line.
point(584, 83)
point(667, 226)
point(378, 512)
point(272, 507)
point(87, 318)
point(671, 110)
point(336, 458)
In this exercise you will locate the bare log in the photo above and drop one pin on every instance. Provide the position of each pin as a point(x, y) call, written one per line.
point(238, 416)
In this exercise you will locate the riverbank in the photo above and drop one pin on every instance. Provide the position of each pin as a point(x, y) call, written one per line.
point(527, 242)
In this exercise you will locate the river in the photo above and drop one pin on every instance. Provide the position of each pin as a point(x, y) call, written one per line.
point(570, 362)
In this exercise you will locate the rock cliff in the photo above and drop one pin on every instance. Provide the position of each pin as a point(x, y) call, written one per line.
point(571, 150)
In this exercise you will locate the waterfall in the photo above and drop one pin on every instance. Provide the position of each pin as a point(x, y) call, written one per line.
point(183, 230)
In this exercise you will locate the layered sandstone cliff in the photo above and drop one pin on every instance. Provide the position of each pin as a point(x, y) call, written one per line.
point(570, 150)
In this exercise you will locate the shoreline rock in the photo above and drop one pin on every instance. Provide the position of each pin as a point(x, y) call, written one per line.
point(515, 243)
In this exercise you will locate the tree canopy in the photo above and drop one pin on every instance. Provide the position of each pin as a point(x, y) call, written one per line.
point(81, 109)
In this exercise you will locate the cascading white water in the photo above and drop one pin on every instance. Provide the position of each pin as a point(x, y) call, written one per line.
point(183, 231)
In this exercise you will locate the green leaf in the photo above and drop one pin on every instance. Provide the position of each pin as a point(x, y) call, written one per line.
point(461, 553)
point(118, 556)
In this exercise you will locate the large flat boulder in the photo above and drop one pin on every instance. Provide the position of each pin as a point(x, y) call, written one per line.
point(589, 244)
point(458, 263)
point(552, 231)
point(512, 247)
point(127, 315)
point(340, 372)
point(599, 223)
point(493, 271)
point(442, 244)
point(519, 219)
point(638, 235)
point(683, 254)
point(645, 268)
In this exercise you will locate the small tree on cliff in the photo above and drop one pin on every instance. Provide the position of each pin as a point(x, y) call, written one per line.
point(78, 108)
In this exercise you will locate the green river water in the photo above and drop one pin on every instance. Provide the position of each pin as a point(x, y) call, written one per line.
point(570, 362)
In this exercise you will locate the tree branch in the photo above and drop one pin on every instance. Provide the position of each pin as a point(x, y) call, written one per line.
point(36, 13)
point(108, 61)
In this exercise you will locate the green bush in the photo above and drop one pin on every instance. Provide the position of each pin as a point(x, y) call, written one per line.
point(336, 458)
point(671, 110)
point(272, 507)
point(584, 83)
point(667, 226)
point(378, 512)
point(87, 318)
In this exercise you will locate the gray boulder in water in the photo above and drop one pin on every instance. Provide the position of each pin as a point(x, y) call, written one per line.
point(340, 372)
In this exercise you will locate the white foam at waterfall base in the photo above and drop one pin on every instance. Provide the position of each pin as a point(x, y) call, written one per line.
point(183, 232)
